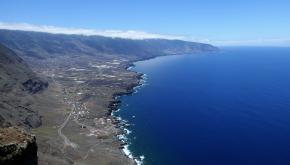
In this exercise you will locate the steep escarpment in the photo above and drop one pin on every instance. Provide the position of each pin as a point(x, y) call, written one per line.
point(45, 45)
point(17, 85)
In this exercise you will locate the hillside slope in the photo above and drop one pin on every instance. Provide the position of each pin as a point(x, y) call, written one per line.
point(44, 45)
point(17, 84)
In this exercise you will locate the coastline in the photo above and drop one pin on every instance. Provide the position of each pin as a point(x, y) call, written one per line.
point(199, 112)
point(114, 107)
point(122, 124)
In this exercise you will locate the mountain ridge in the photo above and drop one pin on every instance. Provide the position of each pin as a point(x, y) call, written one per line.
point(42, 45)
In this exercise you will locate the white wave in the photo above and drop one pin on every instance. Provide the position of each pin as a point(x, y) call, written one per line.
point(123, 137)
point(130, 68)
point(127, 152)
point(140, 160)
point(114, 112)
point(127, 131)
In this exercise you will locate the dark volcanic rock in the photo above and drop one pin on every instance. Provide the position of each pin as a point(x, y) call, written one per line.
point(17, 147)
point(35, 85)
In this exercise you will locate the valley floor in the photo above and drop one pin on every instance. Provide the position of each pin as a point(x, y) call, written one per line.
point(77, 127)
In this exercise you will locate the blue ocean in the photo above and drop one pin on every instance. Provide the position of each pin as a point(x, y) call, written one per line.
point(230, 107)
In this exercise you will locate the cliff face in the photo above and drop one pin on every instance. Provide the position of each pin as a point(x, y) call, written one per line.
point(17, 147)
point(17, 85)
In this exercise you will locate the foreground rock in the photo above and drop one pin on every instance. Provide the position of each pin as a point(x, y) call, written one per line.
point(17, 147)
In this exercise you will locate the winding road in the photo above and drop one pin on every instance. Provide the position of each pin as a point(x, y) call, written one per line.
point(67, 142)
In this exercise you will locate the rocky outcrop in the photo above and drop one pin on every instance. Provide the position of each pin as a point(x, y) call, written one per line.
point(17, 147)
point(35, 85)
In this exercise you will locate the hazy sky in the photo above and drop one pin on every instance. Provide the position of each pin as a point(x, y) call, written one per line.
point(232, 22)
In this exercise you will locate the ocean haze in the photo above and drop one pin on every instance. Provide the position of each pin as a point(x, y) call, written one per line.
point(230, 107)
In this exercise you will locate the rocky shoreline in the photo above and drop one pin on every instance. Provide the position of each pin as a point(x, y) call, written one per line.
point(121, 124)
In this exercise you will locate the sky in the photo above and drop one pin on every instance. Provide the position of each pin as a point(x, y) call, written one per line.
point(219, 22)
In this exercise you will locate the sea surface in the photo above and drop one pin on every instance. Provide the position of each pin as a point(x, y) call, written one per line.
point(225, 108)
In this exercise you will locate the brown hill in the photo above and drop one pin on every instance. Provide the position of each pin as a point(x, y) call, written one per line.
point(17, 85)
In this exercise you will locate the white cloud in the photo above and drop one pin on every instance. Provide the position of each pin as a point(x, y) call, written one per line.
point(253, 42)
point(131, 34)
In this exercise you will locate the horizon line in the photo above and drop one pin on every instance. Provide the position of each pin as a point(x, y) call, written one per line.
point(141, 35)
